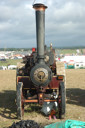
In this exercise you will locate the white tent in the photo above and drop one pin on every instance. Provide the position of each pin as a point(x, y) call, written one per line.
point(73, 59)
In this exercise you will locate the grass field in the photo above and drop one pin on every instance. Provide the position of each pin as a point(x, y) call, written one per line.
point(75, 107)
point(68, 51)
point(10, 62)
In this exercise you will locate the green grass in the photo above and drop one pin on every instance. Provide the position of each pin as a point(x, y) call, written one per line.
point(10, 62)
point(68, 51)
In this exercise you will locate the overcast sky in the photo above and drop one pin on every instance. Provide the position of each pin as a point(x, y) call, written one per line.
point(64, 23)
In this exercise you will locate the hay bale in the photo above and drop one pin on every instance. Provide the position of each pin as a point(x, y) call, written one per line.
point(20, 65)
point(60, 70)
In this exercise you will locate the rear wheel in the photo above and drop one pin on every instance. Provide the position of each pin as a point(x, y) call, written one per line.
point(61, 100)
point(20, 101)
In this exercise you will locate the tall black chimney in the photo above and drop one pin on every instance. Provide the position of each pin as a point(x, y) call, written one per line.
point(40, 30)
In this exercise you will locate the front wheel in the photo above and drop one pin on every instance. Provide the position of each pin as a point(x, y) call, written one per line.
point(62, 101)
point(20, 101)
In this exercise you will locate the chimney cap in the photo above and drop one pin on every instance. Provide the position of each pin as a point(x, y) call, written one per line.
point(39, 6)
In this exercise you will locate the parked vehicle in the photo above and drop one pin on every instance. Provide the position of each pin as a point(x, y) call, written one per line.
point(12, 67)
point(3, 67)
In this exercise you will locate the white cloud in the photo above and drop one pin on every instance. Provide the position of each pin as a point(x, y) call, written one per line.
point(65, 22)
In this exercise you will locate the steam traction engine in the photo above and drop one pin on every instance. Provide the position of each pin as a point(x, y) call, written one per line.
point(40, 77)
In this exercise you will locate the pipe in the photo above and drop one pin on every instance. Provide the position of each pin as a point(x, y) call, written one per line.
point(40, 30)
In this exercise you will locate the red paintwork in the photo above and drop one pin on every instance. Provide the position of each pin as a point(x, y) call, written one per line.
point(54, 84)
point(26, 81)
point(27, 84)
